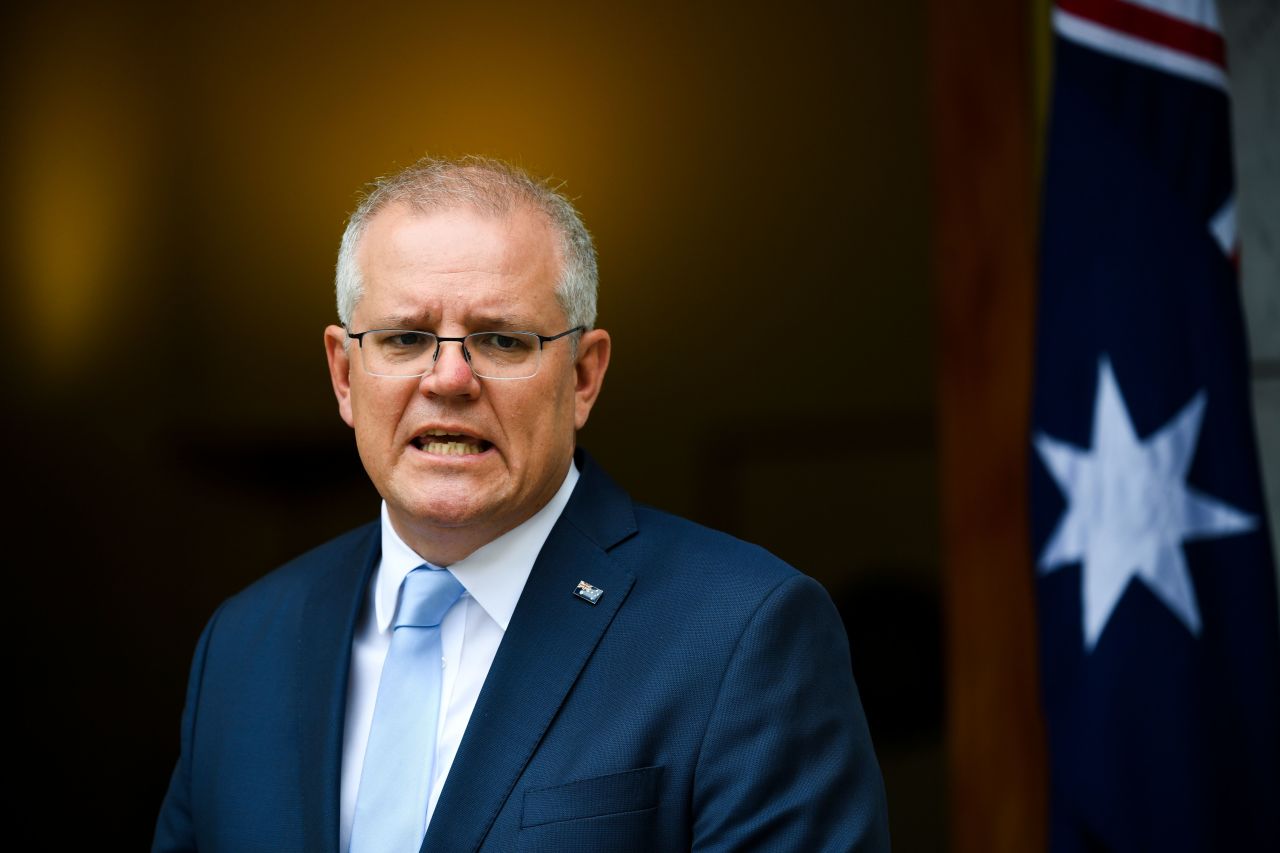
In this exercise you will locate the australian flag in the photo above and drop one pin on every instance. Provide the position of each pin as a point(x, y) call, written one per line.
point(1156, 583)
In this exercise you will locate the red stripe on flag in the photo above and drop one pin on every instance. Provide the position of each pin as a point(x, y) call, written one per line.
point(1150, 25)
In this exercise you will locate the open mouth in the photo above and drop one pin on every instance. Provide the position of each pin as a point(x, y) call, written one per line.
point(440, 442)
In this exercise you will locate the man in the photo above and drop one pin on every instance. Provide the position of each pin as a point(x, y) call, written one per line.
point(582, 673)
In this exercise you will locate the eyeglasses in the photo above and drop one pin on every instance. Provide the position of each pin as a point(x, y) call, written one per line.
point(491, 355)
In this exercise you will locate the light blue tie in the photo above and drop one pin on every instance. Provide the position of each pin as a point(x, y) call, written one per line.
point(395, 784)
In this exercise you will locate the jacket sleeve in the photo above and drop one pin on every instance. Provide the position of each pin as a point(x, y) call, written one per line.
point(786, 763)
point(175, 827)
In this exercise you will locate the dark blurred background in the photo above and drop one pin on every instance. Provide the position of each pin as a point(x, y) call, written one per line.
point(178, 178)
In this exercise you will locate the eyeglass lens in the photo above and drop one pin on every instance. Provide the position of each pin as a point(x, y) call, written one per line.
point(492, 355)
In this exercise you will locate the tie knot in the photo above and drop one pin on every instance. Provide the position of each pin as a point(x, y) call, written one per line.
point(426, 596)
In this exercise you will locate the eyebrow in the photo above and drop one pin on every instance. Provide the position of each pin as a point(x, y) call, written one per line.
point(397, 321)
point(500, 321)
point(482, 322)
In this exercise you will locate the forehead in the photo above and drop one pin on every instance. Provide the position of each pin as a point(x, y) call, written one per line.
point(458, 262)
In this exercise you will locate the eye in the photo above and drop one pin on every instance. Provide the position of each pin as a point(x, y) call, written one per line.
point(405, 340)
point(505, 342)
point(497, 343)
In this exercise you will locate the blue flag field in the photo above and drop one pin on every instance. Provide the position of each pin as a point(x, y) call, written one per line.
point(1156, 584)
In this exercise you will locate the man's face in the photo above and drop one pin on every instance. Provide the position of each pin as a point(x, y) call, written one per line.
point(497, 449)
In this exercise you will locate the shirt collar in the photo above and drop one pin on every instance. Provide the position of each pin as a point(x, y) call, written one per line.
point(494, 575)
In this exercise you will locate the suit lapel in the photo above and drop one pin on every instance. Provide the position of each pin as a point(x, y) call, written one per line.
point(325, 657)
point(551, 636)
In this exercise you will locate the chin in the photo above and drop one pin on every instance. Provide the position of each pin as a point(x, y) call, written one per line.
point(442, 505)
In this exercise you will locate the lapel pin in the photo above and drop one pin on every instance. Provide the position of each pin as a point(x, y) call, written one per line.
point(588, 593)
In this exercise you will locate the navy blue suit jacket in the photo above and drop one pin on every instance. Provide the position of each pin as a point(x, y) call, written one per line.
point(706, 702)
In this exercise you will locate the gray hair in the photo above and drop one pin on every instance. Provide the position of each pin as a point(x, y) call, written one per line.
point(493, 188)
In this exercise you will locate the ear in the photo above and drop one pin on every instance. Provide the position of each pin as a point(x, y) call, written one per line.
point(593, 360)
point(335, 340)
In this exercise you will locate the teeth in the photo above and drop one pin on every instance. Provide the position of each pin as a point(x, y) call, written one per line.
point(448, 443)
point(450, 448)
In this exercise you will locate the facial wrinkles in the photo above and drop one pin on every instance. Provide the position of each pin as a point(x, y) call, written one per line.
point(452, 304)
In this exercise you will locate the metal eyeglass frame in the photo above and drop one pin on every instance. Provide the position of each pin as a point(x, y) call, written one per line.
point(543, 340)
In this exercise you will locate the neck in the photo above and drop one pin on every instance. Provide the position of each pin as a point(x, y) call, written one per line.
point(444, 546)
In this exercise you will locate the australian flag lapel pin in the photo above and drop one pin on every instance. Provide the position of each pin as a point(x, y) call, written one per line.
point(588, 593)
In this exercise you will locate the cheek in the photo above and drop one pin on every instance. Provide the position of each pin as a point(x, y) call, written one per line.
point(539, 426)
point(376, 412)
point(560, 418)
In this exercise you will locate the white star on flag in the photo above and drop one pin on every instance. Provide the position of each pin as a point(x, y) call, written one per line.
point(1129, 508)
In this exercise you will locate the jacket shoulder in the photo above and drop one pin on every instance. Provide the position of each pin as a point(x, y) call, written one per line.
point(711, 556)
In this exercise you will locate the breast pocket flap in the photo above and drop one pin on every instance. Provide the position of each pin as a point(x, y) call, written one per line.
point(627, 791)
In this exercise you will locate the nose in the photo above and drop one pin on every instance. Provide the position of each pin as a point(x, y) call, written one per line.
point(451, 376)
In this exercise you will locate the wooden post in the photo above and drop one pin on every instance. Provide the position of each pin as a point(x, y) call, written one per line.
point(985, 220)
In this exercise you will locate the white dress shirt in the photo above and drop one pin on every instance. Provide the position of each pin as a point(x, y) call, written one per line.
point(494, 576)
